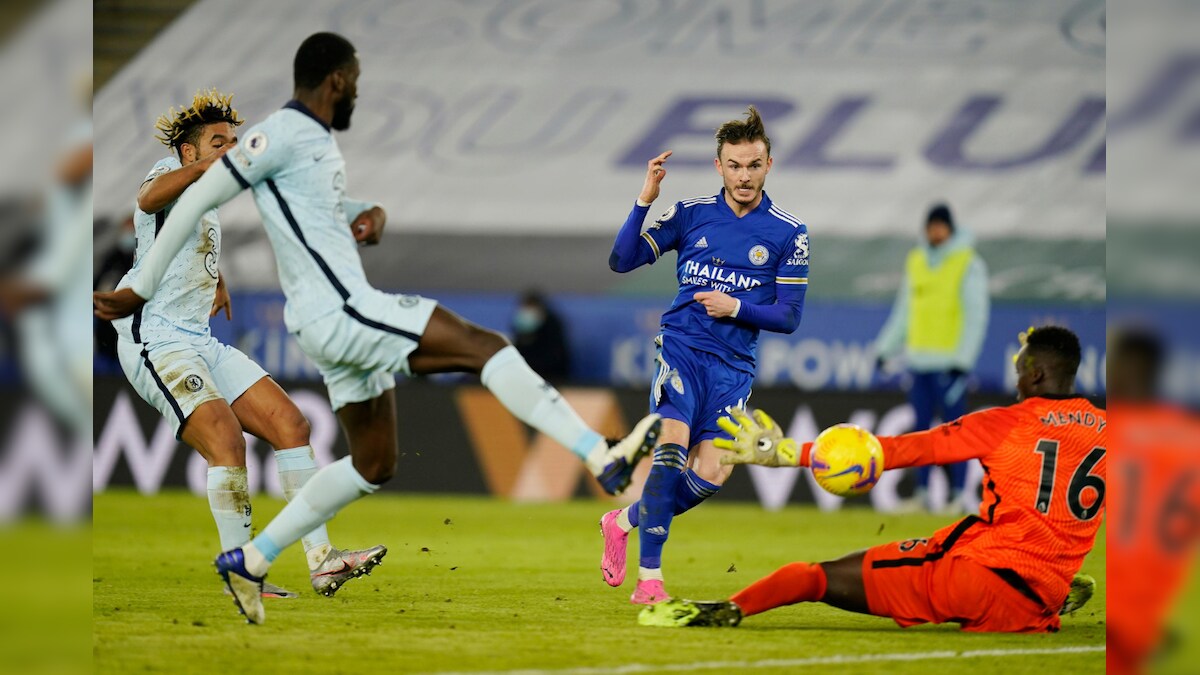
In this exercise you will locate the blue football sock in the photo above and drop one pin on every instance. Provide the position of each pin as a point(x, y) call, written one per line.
point(634, 513)
point(657, 505)
point(691, 491)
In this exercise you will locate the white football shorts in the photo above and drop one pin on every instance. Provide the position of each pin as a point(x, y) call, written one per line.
point(359, 349)
point(176, 372)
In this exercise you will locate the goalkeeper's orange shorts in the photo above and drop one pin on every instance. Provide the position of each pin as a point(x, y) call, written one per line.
point(911, 584)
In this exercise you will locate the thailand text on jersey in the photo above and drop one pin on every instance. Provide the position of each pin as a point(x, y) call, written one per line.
point(185, 296)
point(747, 257)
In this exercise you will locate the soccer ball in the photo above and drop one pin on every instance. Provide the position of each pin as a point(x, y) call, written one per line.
point(846, 460)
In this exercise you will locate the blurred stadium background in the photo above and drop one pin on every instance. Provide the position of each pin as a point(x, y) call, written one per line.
point(506, 141)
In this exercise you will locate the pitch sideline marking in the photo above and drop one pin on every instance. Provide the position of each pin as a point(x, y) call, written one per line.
point(793, 663)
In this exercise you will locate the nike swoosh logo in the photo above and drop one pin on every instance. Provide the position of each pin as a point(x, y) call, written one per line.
point(345, 568)
point(317, 158)
point(845, 472)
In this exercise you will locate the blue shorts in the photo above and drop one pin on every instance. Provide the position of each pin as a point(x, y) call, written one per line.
point(694, 387)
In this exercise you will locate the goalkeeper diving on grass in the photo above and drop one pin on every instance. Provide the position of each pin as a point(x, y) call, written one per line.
point(1014, 567)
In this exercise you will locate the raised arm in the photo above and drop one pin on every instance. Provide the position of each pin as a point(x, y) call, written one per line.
point(217, 186)
point(971, 436)
point(633, 248)
point(158, 192)
point(759, 440)
point(214, 188)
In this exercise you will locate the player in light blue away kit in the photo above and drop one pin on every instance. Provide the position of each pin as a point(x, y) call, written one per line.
point(742, 267)
point(358, 336)
point(210, 391)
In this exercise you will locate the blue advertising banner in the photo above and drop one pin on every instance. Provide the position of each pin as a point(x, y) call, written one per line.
point(611, 340)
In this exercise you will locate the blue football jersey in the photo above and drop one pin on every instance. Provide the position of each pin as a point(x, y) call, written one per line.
point(748, 257)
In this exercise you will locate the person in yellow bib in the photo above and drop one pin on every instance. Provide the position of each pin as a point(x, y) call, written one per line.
point(937, 324)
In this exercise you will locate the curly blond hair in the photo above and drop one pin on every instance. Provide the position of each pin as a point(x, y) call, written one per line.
point(208, 107)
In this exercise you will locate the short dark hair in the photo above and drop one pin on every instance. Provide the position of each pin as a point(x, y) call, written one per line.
point(1057, 348)
point(737, 131)
point(1141, 347)
point(319, 55)
point(940, 212)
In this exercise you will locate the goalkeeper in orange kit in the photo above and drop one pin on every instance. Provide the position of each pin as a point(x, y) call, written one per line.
point(1011, 568)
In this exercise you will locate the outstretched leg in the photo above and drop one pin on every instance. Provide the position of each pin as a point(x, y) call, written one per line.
point(703, 478)
point(838, 583)
point(453, 344)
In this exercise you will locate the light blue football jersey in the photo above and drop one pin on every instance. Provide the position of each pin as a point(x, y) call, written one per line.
point(293, 165)
point(184, 298)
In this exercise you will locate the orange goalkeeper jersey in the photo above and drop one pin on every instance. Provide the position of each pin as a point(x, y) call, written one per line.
point(1043, 490)
point(1153, 525)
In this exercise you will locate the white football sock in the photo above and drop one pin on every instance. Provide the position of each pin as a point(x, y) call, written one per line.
point(533, 401)
point(623, 518)
point(326, 493)
point(648, 573)
point(229, 501)
point(256, 563)
point(296, 466)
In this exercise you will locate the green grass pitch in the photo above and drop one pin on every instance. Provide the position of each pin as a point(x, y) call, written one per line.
point(475, 584)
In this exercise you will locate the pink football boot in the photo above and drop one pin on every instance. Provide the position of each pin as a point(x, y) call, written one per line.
point(649, 592)
point(615, 539)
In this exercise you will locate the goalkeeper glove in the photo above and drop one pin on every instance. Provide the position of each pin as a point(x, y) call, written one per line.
point(755, 440)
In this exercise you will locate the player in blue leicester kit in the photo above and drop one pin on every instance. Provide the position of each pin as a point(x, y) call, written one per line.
point(357, 336)
point(209, 391)
point(742, 267)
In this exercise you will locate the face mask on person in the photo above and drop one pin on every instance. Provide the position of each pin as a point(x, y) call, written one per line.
point(528, 319)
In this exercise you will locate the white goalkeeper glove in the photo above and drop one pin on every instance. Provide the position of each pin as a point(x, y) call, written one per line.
point(755, 440)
